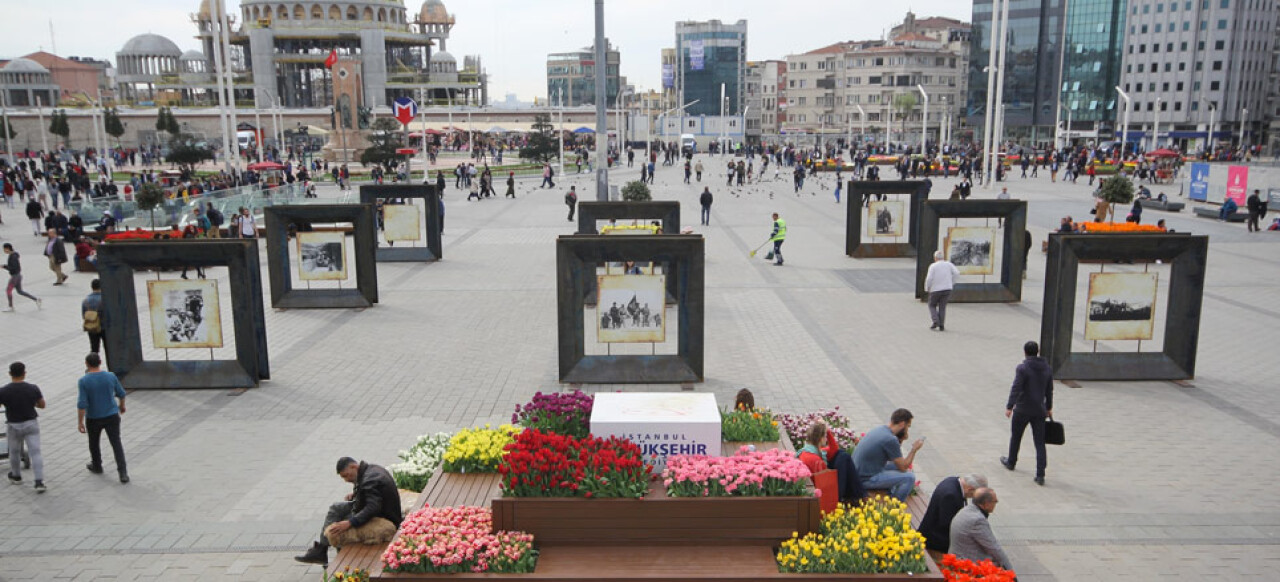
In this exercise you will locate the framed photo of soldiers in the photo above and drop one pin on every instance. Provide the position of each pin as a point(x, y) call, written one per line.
point(1121, 306)
point(970, 249)
point(631, 308)
point(402, 222)
point(185, 314)
point(322, 256)
point(884, 218)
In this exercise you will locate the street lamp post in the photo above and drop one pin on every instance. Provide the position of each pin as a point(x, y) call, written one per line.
point(1244, 116)
point(1213, 111)
point(924, 123)
point(1066, 133)
point(1155, 127)
point(723, 104)
point(1124, 130)
point(602, 120)
point(560, 133)
point(862, 121)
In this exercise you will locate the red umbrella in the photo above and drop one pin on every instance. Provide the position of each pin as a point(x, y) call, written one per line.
point(265, 166)
point(1163, 153)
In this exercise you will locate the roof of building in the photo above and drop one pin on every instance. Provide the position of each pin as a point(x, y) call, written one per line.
point(51, 61)
point(833, 48)
point(914, 37)
point(941, 22)
point(442, 57)
point(151, 45)
point(193, 56)
point(24, 65)
point(434, 12)
point(204, 13)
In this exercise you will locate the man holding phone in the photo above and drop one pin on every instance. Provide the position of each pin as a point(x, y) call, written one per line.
point(879, 460)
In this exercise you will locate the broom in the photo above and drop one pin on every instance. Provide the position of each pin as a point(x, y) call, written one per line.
point(753, 253)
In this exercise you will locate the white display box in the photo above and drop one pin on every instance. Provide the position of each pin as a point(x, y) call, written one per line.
point(661, 423)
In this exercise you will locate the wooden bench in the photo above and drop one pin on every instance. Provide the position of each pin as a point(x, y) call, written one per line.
point(444, 490)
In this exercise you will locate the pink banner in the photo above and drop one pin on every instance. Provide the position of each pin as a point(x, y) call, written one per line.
point(1237, 183)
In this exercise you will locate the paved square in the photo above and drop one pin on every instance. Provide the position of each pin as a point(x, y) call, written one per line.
point(1157, 479)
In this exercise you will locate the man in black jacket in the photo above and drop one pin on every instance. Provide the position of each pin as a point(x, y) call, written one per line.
point(1030, 401)
point(705, 200)
point(374, 495)
point(949, 497)
point(1257, 210)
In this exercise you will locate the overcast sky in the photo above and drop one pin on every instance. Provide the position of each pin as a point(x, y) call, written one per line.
point(512, 36)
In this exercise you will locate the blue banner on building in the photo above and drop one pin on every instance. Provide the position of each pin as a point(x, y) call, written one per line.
point(668, 76)
point(697, 55)
point(1199, 181)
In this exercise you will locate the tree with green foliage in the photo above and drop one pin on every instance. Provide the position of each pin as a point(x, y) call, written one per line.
point(166, 122)
point(636, 191)
point(186, 153)
point(112, 123)
point(1117, 189)
point(543, 145)
point(149, 197)
point(904, 104)
point(7, 126)
point(59, 126)
point(385, 138)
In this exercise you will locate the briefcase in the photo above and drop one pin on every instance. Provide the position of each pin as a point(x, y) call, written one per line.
point(1054, 433)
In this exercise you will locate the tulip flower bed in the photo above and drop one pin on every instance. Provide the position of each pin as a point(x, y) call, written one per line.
point(957, 570)
point(874, 538)
point(420, 462)
point(566, 413)
point(772, 473)
point(449, 540)
point(478, 450)
point(1118, 227)
point(796, 425)
point(540, 464)
point(747, 426)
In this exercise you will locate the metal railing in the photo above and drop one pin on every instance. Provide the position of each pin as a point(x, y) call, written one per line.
point(177, 211)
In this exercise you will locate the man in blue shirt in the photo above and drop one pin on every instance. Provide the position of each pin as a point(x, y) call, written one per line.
point(97, 405)
point(879, 459)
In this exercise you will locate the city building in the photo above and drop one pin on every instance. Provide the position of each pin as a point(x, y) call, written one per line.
point(1033, 57)
point(868, 88)
point(1188, 61)
point(278, 53)
point(571, 76)
point(754, 101)
point(955, 36)
point(669, 76)
point(27, 83)
point(773, 98)
point(711, 55)
point(1091, 63)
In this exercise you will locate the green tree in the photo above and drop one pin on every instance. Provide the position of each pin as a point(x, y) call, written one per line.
point(114, 127)
point(7, 126)
point(543, 145)
point(149, 196)
point(187, 153)
point(1117, 189)
point(59, 126)
point(904, 104)
point(166, 122)
point(385, 138)
point(636, 191)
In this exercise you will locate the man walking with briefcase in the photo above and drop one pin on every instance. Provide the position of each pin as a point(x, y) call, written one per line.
point(1030, 401)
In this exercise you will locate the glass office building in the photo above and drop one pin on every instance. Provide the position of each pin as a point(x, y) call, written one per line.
point(1092, 61)
point(710, 54)
point(1032, 58)
point(571, 77)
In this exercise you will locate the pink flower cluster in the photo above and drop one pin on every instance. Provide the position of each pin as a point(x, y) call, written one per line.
point(747, 473)
point(796, 425)
point(457, 539)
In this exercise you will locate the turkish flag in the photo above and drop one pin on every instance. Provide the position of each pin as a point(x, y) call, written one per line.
point(332, 59)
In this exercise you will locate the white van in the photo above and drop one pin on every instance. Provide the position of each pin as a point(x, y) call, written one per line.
point(688, 144)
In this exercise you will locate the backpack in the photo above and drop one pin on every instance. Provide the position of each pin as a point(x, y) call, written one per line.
point(215, 217)
point(92, 321)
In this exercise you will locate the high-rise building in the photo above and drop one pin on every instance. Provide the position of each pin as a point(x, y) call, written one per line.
point(773, 98)
point(754, 101)
point(573, 75)
point(1091, 68)
point(669, 77)
point(1032, 80)
point(708, 55)
point(1185, 58)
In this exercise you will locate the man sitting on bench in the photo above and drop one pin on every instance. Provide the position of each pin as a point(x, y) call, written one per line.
point(949, 497)
point(879, 459)
point(375, 496)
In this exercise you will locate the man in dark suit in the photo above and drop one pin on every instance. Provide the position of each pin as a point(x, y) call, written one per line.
point(1030, 401)
point(1257, 210)
point(949, 497)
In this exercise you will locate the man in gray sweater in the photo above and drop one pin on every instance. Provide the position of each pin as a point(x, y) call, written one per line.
point(971, 537)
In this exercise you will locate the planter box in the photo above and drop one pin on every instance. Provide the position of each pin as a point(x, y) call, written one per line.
point(657, 519)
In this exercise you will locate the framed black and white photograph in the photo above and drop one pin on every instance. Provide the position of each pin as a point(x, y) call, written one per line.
point(631, 308)
point(1121, 306)
point(884, 218)
point(184, 314)
point(322, 256)
point(970, 249)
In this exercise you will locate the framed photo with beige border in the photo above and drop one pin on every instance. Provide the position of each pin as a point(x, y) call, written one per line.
point(971, 249)
point(402, 222)
point(322, 256)
point(631, 308)
point(1121, 306)
point(884, 218)
point(185, 314)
